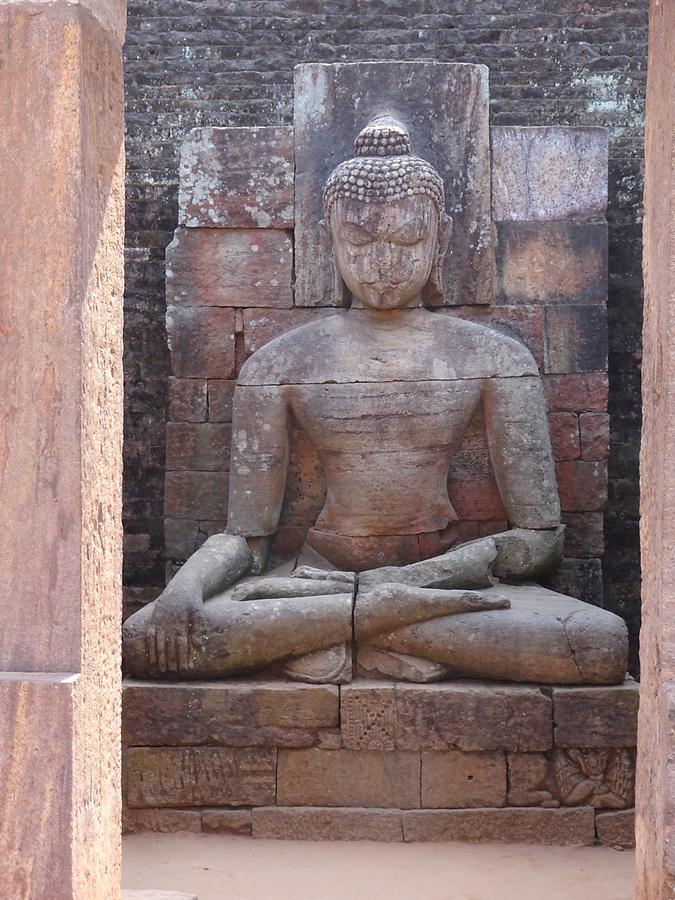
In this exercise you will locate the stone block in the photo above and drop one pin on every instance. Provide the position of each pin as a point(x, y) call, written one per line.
point(564, 427)
point(582, 485)
point(576, 338)
point(580, 578)
point(200, 776)
point(594, 429)
point(180, 538)
point(551, 262)
point(584, 534)
point(160, 821)
point(316, 824)
point(187, 400)
point(195, 495)
point(201, 340)
point(220, 395)
point(548, 173)
point(229, 267)
point(237, 178)
point(368, 778)
point(227, 821)
point(616, 828)
point(445, 106)
point(198, 447)
point(581, 392)
point(472, 716)
point(596, 716)
point(475, 499)
point(236, 713)
point(502, 826)
point(455, 779)
point(368, 717)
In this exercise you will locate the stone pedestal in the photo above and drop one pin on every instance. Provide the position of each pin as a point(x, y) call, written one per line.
point(655, 823)
point(378, 760)
point(61, 112)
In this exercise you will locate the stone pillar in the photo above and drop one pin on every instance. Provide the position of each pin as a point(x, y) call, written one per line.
point(655, 806)
point(61, 273)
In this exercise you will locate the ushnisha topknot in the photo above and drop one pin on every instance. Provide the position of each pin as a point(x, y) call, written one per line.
point(383, 169)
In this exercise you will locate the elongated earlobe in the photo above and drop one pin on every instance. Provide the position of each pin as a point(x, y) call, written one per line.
point(340, 294)
point(433, 293)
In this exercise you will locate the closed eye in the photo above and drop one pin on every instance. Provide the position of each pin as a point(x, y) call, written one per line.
point(354, 234)
point(409, 234)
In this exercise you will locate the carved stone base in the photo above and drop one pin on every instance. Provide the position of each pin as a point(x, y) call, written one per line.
point(371, 760)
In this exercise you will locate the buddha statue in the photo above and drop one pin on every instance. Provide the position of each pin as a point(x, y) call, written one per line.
point(384, 390)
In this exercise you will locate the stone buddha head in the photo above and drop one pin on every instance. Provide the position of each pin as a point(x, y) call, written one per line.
point(385, 221)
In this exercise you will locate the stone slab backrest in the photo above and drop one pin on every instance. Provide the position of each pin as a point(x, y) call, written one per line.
point(539, 273)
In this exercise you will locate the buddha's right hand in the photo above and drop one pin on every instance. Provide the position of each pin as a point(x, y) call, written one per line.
point(177, 622)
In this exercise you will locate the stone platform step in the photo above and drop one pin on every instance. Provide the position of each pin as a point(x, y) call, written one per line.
point(382, 760)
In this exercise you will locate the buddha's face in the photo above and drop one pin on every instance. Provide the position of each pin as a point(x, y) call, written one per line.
point(385, 250)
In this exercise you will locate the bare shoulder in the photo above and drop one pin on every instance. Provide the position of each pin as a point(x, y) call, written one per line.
point(294, 356)
point(485, 350)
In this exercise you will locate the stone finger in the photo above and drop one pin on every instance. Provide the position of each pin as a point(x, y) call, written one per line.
point(183, 651)
point(171, 654)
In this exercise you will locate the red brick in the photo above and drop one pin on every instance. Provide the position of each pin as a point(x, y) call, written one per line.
point(579, 392)
point(220, 395)
point(584, 534)
point(564, 427)
point(594, 429)
point(187, 399)
point(229, 267)
point(201, 340)
point(195, 495)
point(237, 178)
point(576, 338)
point(544, 262)
point(582, 485)
point(476, 500)
point(197, 447)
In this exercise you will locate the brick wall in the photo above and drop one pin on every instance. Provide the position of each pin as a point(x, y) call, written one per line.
point(566, 62)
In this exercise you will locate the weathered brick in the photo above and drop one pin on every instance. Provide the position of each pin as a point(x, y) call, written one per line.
point(191, 495)
point(197, 447)
point(368, 778)
point(200, 776)
point(325, 824)
point(548, 173)
point(227, 821)
point(580, 578)
point(187, 399)
point(564, 427)
point(162, 821)
point(616, 828)
point(237, 178)
point(454, 779)
point(581, 392)
point(582, 485)
point(576, 338)
point(220, 395)
point(201, 340)
point(501, 826)
point(227, 713)
point(594, 429)
point(547, 262)
point(180, 537)
point(596, 716)
point(229, 267)
point(472, 717)
point(584, 534)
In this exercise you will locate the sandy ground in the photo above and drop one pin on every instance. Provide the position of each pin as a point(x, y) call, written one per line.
point(217, 867)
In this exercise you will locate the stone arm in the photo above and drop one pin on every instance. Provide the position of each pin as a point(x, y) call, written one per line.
point(258, 465)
